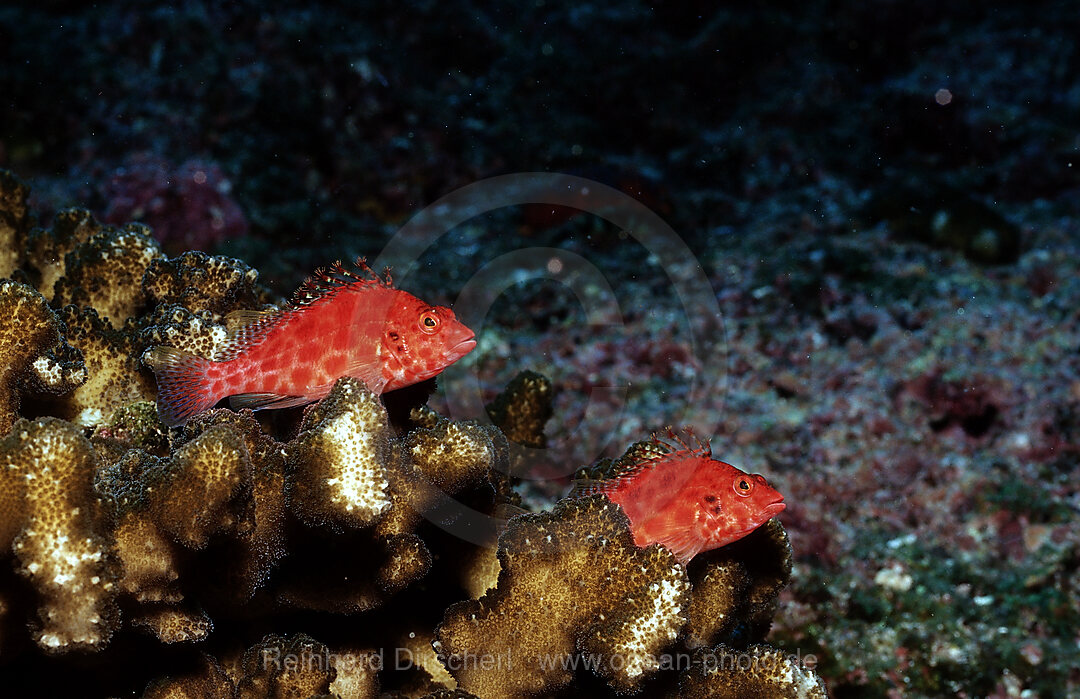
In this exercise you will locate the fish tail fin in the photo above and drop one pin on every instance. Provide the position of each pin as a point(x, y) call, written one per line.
point(183, 385)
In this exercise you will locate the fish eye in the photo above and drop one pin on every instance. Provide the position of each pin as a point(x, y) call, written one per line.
point(429, 322)
point(743, 486)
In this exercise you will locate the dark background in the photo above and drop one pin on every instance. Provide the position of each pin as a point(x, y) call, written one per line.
point(847, 173)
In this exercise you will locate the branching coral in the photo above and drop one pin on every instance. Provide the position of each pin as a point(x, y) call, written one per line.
point(194, 293)
point(209, 681)
point(441, 459)
point(337, 473)
point(14, 222)
point(572, 581)
point(96, 274)
point(48, 518)
point(758, 671)
point(172, 325)
point(286, 667)
point(523, 408)
point(47, 249)
point(155, 504)
point(199, 282)
point(105, 273)
point(32, 352)
point(296, 666)
point(263, 541)
point(736, 587)
point(347, 519)
point(171, 624)
point(346, 473)
point(204, 488)
point(114, 379)
point(338, 477)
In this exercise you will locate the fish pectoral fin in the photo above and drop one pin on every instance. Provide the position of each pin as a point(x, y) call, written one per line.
point(681, 542)
point(370, 372)
point(259, 401)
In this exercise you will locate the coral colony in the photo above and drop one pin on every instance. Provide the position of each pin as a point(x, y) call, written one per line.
point(311, 552)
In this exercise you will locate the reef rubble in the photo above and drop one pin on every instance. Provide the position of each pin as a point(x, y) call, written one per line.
point(342, 550)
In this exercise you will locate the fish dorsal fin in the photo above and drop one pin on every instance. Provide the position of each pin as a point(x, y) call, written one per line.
point(325, 283)
point(673, 442)
point(640, 457)
point(609, 474)
point(587, 481)
point(649, 453)
point(238, 320)
point(245, 329)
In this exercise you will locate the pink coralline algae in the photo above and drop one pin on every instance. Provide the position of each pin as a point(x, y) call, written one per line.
point(189, 207)
point(973, 406)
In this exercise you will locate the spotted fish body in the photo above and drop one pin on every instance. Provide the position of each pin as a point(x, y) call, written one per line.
point(341, 325)
point(684, 499)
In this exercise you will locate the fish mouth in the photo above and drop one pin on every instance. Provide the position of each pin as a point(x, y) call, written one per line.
point(767, 513)
point(774, 509)
point(463, 347)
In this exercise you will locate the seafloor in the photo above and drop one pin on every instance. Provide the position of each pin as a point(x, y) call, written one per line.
point(868, 291)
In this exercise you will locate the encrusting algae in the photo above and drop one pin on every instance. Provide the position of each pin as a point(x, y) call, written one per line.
point(324, 551)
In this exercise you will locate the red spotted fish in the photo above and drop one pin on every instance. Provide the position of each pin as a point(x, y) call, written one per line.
point(338, 324)
point(681, 497)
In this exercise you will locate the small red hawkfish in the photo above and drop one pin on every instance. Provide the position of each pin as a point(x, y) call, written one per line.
point(681, 497)
point(337, 324)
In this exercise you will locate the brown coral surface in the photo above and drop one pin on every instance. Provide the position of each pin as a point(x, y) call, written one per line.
point(326, 551)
